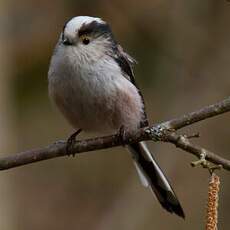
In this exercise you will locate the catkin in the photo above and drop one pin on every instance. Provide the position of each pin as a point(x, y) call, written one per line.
point(212, 212)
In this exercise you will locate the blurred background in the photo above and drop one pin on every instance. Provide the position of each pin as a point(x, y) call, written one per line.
point(183, 51)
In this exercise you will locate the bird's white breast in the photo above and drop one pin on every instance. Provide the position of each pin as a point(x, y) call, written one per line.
point(94, 97)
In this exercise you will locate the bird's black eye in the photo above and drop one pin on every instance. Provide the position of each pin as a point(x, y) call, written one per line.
point(85, 41)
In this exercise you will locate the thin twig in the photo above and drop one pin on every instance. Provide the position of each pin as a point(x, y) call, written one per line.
point(196, 150)
point(165, 132)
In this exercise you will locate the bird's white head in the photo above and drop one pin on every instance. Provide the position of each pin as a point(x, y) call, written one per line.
point(88, 38)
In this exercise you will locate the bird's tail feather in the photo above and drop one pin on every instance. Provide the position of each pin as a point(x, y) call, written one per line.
point(152, 176)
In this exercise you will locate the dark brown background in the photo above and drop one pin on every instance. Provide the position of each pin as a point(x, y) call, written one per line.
point(183, 50)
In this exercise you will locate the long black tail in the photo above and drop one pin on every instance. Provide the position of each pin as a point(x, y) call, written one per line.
point(152, 176)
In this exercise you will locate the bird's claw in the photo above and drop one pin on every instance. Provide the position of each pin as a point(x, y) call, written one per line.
point(70, 142)
point(121, 135)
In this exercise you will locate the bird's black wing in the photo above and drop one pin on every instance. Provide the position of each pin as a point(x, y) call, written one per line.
point(126, 62)
point(144, 161)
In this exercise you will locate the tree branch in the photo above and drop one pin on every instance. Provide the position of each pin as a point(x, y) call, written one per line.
point(165, 132)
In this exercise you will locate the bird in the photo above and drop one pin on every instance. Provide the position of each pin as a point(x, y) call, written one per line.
point(91, 81)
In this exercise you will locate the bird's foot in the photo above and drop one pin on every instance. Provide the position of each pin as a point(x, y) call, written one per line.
point(122, 135)
point(70, 142)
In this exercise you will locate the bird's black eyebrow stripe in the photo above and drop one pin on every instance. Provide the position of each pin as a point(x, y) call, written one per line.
point(64, 26)
point(95, 28)
point(63, 29)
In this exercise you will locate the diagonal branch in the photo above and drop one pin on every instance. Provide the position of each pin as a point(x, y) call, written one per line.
point(165, 132)
point(199, 115)
point(183, 143)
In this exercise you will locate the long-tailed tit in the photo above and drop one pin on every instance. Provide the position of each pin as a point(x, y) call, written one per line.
point(91, 81)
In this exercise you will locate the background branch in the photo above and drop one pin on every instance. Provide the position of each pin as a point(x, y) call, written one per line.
point(165, 132)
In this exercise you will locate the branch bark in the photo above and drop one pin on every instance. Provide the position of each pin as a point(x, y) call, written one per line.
point(165, 132)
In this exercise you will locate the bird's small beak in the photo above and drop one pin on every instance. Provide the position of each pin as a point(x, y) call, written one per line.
point(66, 42)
